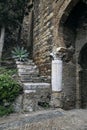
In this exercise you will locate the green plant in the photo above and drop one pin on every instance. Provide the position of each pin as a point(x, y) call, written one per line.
point(6, 110)
point(20, 54)
point(11, 72)
point(44, 104)
point(9, 90)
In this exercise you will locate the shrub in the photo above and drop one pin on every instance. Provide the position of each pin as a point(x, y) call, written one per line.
point(20, 54)
point(11, 72)
point(9, 90)
point(6, 110)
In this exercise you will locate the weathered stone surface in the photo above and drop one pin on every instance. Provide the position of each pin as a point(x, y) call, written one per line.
point(18, 104)
point(69, 86)
point(46, 120)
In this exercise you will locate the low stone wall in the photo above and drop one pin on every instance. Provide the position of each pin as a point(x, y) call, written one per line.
point(36, 96)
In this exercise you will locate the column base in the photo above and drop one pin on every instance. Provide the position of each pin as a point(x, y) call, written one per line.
point(55, 100)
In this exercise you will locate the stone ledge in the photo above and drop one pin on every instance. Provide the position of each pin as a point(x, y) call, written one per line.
point(35, 85)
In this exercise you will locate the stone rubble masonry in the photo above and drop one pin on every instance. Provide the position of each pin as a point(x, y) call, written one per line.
point(43, 35)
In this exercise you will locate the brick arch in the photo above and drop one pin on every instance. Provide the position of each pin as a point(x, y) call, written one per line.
point(62, 14)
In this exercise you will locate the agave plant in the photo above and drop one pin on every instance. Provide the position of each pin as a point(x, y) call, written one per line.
point(20, 54)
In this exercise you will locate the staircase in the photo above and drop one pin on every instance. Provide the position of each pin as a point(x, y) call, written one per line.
point(36, 89)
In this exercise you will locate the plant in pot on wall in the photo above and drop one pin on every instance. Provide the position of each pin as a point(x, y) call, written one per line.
point(20, 54)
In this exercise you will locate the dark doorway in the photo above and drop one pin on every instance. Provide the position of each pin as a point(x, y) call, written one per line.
point(83, 76)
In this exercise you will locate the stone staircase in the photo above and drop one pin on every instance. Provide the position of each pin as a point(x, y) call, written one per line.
point(28, 72)
point(35, 87)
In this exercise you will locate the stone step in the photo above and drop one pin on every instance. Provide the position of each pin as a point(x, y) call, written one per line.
point(30, 73)
point(29, 91)
point(26, 66)
point(29, 77)
point(34, 86)
point(36, 79)
point(24, 63)
point(33, 78)
point(28, 69)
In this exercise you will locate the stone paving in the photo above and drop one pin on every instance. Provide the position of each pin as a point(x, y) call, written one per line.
point(46, 120)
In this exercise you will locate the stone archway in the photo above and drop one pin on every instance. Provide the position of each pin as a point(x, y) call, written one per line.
point(61, 11)
point(83, 75)
point(70, 30)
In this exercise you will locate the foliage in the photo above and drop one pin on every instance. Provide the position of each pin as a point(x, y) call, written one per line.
point(9, 90)
point(11, 18)
point(6, 110)
point(11, 11)
point(20, 54)
point(44, 104)
point(4, 70)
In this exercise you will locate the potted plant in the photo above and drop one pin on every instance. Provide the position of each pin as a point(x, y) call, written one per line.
point(20, 54)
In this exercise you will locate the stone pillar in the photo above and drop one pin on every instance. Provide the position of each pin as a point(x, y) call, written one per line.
point(56, 82)
point(57, 75)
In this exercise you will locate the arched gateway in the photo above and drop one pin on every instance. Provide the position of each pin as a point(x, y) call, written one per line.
point(71, 31)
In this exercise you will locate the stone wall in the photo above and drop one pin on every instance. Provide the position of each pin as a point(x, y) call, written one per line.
point(35, 98)
point(69, 86)
point(27, 28)
point(81, 51)
point(56, 23)
point(71, 29)
point(43, 35)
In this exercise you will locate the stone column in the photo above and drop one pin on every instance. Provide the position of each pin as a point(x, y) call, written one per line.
point(57, 75)
point(56, 82)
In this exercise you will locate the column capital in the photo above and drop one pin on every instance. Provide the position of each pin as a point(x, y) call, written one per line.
point(59, 53)
point(63, 53)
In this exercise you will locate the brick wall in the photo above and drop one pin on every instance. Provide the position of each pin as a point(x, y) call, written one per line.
point(43, 35)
